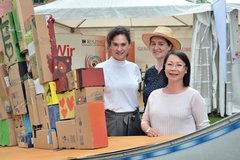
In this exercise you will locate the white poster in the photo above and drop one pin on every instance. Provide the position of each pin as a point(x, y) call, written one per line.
point(86, 51)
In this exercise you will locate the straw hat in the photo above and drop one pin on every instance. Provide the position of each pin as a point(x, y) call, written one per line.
point(164, 32)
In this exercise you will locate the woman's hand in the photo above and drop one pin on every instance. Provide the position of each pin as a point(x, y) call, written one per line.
point(152, 133)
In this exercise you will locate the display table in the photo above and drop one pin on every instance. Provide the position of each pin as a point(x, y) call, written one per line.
point(115, 144)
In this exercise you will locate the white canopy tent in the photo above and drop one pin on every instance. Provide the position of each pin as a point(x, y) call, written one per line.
point(105, 13)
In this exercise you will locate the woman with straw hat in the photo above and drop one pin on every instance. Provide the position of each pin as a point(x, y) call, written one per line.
point(160, 42)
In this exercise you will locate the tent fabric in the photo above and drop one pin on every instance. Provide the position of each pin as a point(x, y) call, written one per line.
point(108, 13)
point(203, 57)
point(93, 9)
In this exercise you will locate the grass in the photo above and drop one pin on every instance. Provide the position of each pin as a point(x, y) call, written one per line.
point(214, 119)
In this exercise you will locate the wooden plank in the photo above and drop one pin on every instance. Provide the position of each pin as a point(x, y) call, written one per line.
point(115, 144)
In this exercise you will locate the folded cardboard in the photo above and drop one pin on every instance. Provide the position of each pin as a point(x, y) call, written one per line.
point(17, 99)
point(17, 72)
point(88, 94)
point(66, 133)
point(91, 125)
point(32, 102)
point(46, 139)
point(43, 111)
point(41, 40)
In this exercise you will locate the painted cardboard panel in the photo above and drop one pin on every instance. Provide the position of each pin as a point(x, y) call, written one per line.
point(67, 105)
point(22, 12)
point(51, 93)
point(8, 45)
point(91, 125)
point(54, 115)
point(7, 133)
point(61, 65)
point(62, 84)
point(90, 77)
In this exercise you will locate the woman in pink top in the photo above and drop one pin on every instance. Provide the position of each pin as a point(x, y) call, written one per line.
point(176, 108)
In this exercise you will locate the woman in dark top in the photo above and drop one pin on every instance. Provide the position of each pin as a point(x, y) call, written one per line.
point(160, 42)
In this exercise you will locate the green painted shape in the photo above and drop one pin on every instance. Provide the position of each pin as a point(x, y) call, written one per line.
point(20, 57)
point(16, 22)
point(4, 132)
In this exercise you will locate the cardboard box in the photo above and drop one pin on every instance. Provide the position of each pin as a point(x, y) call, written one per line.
point(22, 124)
point(3, 85)
point(23, 131)
point(32, 102)
point(4, 114)
point(89, 94)
point(51, 93)
point(54, 115)
point(16, 72)
point(90, 77)
point(43, 111)
point(7, 133)
point(72, 80)
point(45, 139)
point(17, 99)
point(66, 133)
point(10, 56)
point(39, 88)
point(22, 11)
point(43, 48)
point(61, 65)
point(91, 125)
point(67, 104)
point(33, 66)
point(62, 84)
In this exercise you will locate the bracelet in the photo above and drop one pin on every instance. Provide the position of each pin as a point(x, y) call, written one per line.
point(148, 130)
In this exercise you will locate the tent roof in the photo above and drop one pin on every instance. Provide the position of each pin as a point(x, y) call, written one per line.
point(107, 13)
